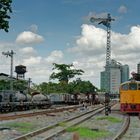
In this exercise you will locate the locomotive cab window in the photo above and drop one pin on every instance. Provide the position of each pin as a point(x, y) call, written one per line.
point(138, 86)
point(133, 86)
point(125, 87)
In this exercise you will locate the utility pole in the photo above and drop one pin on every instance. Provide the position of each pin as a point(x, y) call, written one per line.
point(10, 54)
point(29, 85)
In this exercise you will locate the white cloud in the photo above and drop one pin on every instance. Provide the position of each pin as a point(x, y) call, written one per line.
point(32, 61)
point(5, 46)
point(122, 9)
point(28, 37)
point(39, 74)
point(28, 51)
point(91, 42)
point(55, 57)
point(90, 49)
point(88, 54)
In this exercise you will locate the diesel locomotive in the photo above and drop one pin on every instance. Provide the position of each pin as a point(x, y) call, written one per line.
point(130, 96)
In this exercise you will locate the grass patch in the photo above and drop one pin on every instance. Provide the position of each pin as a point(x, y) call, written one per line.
point(88, 133)
point(109, 118)
point(63, 124)
point(23, 127)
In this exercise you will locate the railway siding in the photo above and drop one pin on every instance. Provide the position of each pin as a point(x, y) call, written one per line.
point(93, 124)
point(56, 129)
point(36, 122)
point(99, 127)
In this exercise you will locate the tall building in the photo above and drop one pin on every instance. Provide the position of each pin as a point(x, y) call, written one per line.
point(115, 76)
point(138, 68)
point(117, 73)
point(104, 82)
point(124, 73)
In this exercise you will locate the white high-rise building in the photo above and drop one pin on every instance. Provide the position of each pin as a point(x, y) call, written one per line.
point(118, 73)
point(115, 76)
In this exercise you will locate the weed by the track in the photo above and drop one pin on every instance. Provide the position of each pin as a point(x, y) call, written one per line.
point(23, 127)
point(88, 133)
point(109, 118)
point(63, 124)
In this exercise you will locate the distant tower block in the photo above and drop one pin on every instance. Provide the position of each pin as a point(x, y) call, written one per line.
point(138, 68)
point(20, 70)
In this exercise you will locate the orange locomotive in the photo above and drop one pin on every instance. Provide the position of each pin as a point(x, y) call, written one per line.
point(130, 96)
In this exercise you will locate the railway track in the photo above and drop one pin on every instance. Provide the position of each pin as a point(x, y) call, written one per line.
point(124, 128)
point(130, 129)
point(134, 128)
point(16, 115)
point(51, 131)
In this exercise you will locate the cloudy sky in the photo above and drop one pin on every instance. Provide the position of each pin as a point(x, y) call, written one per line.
point(43, 32)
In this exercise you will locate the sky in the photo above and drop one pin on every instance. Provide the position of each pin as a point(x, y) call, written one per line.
point(43, 32)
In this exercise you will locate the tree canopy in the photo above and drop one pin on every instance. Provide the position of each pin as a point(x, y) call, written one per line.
point(5, 9)
point(17, 85)
point(79, 86)
point(76, 86)
point(65, 72)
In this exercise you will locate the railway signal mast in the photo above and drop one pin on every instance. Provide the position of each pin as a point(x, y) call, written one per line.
point(107, 23)
point(10, 54)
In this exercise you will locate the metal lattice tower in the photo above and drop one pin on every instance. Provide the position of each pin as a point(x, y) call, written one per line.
point(107, 23)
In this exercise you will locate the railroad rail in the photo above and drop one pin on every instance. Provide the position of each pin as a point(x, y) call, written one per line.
point(132, 129)
point(124, 128)
point(128, 126)
point(35, 113)
point(51, 131)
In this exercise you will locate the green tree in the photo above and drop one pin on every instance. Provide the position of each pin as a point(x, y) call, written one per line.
point(50, 87)
point(63, 87)
point(76, 86)
point(53, 87)
point(43, 87)
point(20, 85)
point(79, 86)
point(35, 87)
point(4, 85)
point(65, 72)
point(5, 9)
point(17, 84)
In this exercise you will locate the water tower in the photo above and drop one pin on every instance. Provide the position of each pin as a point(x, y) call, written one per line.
point(20, 70)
